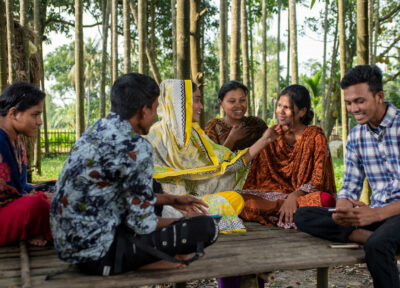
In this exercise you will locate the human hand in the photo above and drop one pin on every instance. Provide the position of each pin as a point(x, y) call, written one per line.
point(288, 209)
point(359, 216)
point(239, 132)
point(190, 206)
point(272, 132)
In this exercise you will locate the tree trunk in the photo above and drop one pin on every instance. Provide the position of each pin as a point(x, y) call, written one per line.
point(376, 27)
point(362, 59)
point(362, 32)
point(278, 50)
point(235, 41)
point(264, 61)
point(245, 50)
point(195, 53)
point(38, 43)
point(370, 30)
point(88, 108)
point(251, 89)
point(223, 55)
point(182, 35)
point(79, 81)
point(173, 16)
point(342, 45)
point(293, 41)
point(3, 41)
point(127, 37)
point(288, 53)
point(114, 41)
point(152, 46)
point(324, 101)
point(25, 41)
point(142, 10)
point(106, 19)
point(10, 41)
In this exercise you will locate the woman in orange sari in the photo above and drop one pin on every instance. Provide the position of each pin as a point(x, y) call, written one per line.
point(293, 171)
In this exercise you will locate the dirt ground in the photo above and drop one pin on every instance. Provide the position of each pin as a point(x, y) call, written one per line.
point(353, 276)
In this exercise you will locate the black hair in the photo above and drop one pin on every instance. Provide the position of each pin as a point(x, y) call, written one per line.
point(20, 95)
point(299, 96)
point(131, 92)
point(194, 86)
point(371, 75)
point(229, 86)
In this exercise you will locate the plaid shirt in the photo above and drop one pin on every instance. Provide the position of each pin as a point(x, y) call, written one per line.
point(375, 154)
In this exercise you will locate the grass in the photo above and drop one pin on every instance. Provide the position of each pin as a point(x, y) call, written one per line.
point(51, 168)
point(52, 165)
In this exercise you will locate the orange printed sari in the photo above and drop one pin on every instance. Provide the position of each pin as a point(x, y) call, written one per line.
point(281, 169)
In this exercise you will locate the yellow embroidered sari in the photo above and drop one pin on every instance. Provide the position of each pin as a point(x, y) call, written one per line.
point(184, 157)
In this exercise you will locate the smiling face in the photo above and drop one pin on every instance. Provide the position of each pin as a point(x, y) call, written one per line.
point(197, 106)
point(27, 122)
point(235, 104)
point(364, 105)
point(285, 114)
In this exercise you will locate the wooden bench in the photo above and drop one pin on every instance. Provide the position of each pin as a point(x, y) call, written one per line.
point(261, 249)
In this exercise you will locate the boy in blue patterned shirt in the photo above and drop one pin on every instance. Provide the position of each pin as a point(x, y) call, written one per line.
point(103, 214)
point(372, 151)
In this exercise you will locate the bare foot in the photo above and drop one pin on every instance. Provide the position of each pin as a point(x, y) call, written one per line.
point(183, 257)
point(360, 235)
point(38, 241)
point(162, 265)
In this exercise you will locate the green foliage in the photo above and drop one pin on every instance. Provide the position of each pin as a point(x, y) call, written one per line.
point(338, 167)
point(51, 168)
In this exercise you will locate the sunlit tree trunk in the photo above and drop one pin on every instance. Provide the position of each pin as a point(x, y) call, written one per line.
point(114, 41)
point(223, 55)
point(293, 41)
point(182, 35)
point(323, 90)
point(245, 50)
point(142, 10)
point(195, 53)
point(10, 41)
point(362, 32)
point(106, 20)
point(173, 19)
point(264, 61)
point(235, 40)
point(362, 59)
point(127, 36)
point(288, 53)
point(79, 81)
point(278, 50)
point(3, 41)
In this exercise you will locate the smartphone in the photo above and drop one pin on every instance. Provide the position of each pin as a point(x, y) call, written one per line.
point(345, 245)
point(332, 210)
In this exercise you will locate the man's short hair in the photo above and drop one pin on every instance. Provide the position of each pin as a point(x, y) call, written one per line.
point(131, 92)
point(371, 75)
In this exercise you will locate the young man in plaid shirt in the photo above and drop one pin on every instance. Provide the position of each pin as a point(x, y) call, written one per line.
point(372, 151)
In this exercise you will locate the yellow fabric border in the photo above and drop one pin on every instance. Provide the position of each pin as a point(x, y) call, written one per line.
point(189, 112)
point(206, 143)
point(220, 168)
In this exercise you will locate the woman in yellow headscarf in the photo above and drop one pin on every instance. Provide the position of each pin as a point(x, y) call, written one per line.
point(185, 159)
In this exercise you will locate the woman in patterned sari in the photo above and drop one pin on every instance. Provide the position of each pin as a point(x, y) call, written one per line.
point(235, 131)
point(293, 171)
point(185, 159)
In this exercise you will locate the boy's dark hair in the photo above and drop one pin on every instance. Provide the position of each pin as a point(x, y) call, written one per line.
point(231, 85)
point(20, 95)
point(299, 96)
point(194, 86)
point(131, 92)
point(371, 75)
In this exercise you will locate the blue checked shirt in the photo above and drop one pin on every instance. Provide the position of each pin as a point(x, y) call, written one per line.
point(375, 154)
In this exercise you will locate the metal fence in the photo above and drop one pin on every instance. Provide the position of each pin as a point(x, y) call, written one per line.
point(59, 141)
